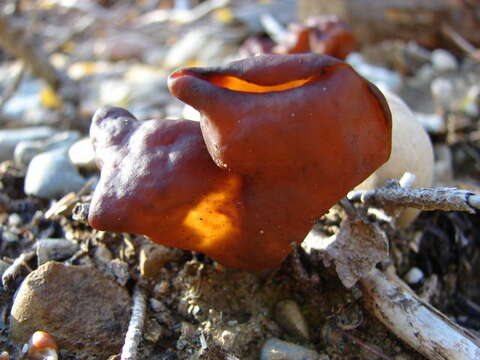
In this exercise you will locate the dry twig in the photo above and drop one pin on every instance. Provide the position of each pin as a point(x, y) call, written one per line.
point(440, 198)
point(15, 41)
point(461, 42)
point(135, 327)
point(416, 322)
point(14, 270)
point(13, 86)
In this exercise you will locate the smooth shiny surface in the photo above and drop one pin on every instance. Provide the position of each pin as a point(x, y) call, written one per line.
point(281, 158)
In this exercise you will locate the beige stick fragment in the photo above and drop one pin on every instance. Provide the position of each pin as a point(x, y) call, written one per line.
point(440, 198)
point(416, 322)
point(135, 327)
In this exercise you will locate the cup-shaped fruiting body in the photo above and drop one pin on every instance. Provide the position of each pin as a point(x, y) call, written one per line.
point(301, 130)
point(280, 116)
point(281, 140)
point(42, 346)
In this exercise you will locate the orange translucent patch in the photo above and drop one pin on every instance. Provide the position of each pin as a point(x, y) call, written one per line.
point(237, 84)
point(216, 216)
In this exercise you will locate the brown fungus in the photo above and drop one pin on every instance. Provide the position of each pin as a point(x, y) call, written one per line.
point(288, 135)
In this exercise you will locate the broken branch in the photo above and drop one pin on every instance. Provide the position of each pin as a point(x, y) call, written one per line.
point(440, 198)
point(416, 322)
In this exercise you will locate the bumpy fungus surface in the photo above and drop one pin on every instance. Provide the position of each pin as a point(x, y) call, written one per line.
point(288, 135)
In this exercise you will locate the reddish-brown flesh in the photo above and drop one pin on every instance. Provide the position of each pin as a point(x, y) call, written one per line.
point(289, 136)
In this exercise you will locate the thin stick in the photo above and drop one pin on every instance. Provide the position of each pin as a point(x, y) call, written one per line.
point(13, 271)
point(372, 348)
point(441, 198)
point(461, 42)
point(15, 41)
point(13, 86)
point(135, 328)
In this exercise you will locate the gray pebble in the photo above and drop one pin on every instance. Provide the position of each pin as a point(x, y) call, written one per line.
point(380, 76)
point(414, 276)
point(443, 91)
point(51, 175)
point(26, 150)
point(14, 220)
point(10, 138)
point(54, 249)
point(289, 316)
point(82, 154)
point(443, 61)
point(276, 349)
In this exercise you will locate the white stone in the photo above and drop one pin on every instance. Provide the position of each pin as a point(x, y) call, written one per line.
point(412, 152)
point(25, 151)
point(414, 276)
point(82, 154)
point(276, 349)
point(443, 91)
point(443, 61)
point(51, 175)
point(10, 138)
point(380, 76)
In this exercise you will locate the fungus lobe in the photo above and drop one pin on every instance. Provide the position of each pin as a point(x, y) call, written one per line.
point(289, 136)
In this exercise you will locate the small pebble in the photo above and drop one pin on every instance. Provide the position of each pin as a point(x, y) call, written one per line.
point(289, 316)
point(423, 76)
point(443, 61)
point(25, 151)
point(414, 276)
point(114, 92)
point(119, 270)
point(153, 258)
point(42, 346)
point(10, 138)
point(276, 349)
point(54, 249)
point(161, 288)
point(157, 305)
point(51, 175)
point(433, 123)
point(9, 236)
point(153, 330)
point(381, 77)
point(82, 154)
point(443, 91)
point(102, 254)
point(14, 220)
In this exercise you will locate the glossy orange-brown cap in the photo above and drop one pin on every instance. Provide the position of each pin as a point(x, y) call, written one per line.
point(301, 130)
point(285, 138)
